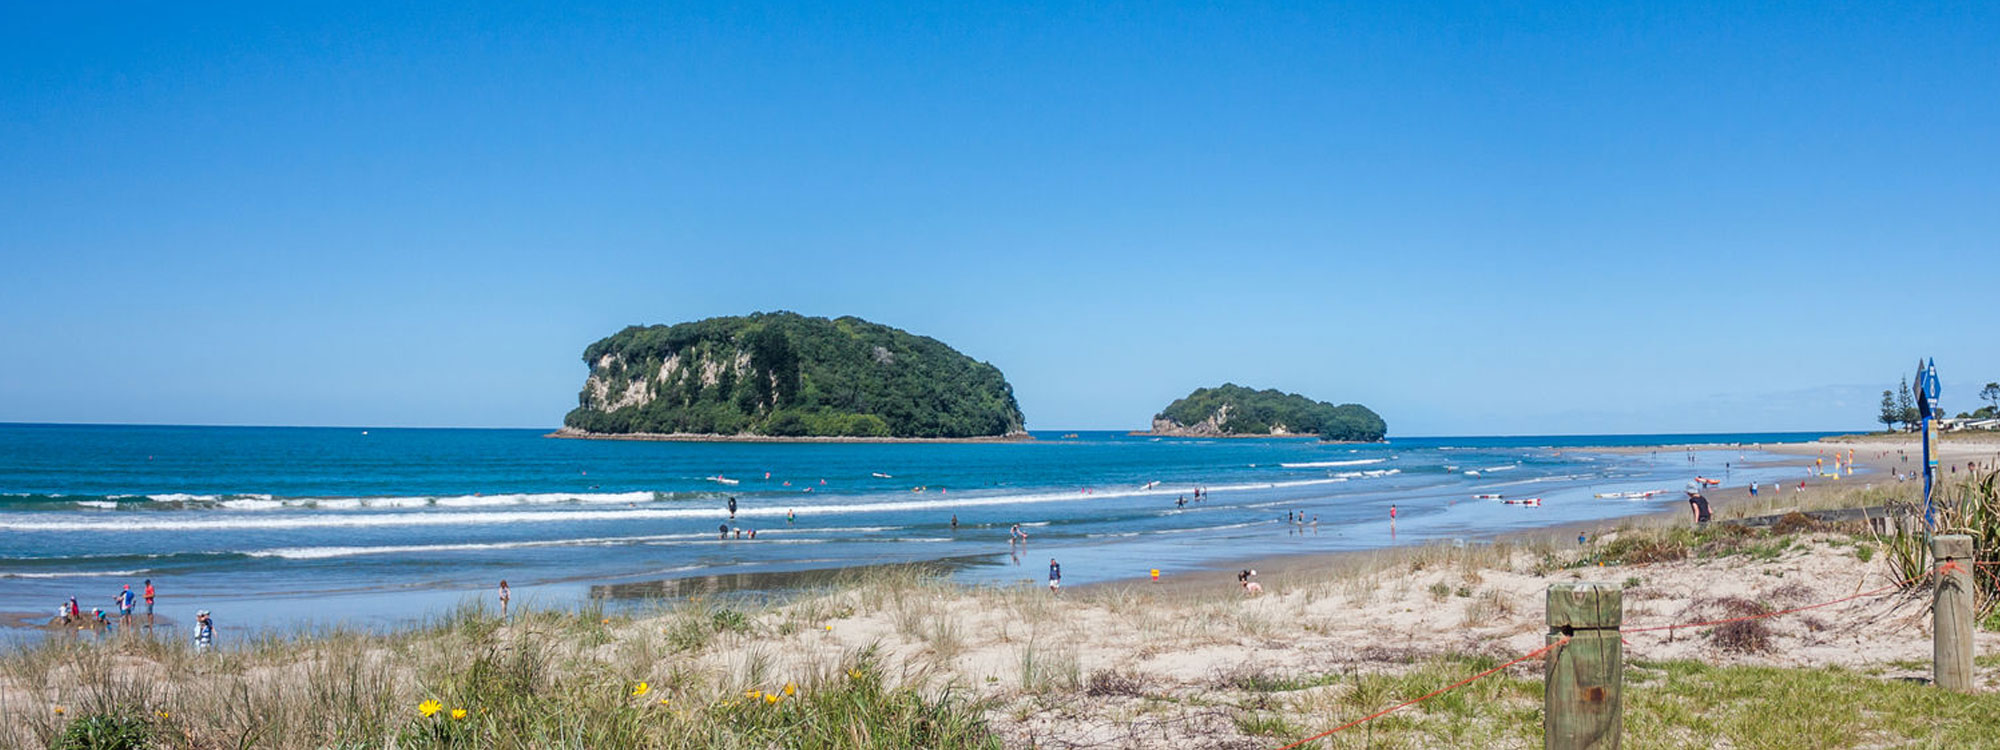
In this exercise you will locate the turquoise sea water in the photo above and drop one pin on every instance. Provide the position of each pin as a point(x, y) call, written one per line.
point(291, 526)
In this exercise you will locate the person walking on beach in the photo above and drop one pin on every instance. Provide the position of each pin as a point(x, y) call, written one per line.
point(204, 632)
point(1697, 504)
point(149, 604)
point(1055, 576)
point(506, 595)
point(732, 507)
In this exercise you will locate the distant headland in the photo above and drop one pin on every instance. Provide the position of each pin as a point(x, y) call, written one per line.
point(1235, 411)
point(783, 376)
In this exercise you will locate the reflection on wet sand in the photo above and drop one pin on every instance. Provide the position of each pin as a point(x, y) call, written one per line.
point(772, 581)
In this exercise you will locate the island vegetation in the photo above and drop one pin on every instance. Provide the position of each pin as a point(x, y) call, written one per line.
point(1235, 410)
point(788, 375)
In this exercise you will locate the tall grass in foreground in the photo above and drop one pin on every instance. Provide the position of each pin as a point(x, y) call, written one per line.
point(1670, 704)
point(1969, 506)
point(467, 680)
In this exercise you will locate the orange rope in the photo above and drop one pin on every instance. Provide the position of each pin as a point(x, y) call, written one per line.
point(1427, 696)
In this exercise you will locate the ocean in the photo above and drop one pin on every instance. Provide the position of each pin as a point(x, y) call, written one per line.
point(305, 527)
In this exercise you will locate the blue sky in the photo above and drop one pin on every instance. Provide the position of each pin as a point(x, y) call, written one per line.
point(1476, 218)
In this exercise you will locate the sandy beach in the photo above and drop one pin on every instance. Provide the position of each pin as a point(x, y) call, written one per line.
point(1196, 661)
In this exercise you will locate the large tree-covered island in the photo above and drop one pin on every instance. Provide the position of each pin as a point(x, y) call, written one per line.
point(785, 375)
point(1233, 410)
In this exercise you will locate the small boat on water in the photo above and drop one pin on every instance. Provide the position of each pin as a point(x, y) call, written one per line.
point(724, 480)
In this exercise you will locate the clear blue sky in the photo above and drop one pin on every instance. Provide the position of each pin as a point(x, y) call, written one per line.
point(1476, 218)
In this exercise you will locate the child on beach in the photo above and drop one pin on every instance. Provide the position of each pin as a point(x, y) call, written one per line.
point(204, 632)
point(506, 595)
point(149, 604)
point(1055, 576)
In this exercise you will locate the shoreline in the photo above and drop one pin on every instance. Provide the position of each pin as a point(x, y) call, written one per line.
point(568, 433)
point(1726, 503)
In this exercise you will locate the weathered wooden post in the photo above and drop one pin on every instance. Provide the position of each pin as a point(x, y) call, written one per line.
point(1582, 704)
point(1951, 613)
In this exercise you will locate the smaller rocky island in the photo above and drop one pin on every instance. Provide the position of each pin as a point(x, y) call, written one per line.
point(1235, 411)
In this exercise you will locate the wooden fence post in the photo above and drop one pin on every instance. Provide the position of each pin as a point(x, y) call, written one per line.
point(1582, 700)
point(1951, 613)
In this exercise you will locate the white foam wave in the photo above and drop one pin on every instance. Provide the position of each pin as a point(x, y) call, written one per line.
point(251, 504)
point(1369, 474)
point(1324, 464)
point(79, 574)
point(97, 504)
point(183, 497)
point(268, 502)
point(23, 522)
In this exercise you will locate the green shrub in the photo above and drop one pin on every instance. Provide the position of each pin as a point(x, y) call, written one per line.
point(105, 732)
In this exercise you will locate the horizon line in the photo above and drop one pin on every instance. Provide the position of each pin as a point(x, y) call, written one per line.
point(4, 423)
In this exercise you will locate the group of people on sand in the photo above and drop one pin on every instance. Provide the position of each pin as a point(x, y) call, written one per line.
point(70, 614)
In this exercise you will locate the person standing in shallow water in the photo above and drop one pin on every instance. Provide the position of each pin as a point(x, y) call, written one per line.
point(732, 507)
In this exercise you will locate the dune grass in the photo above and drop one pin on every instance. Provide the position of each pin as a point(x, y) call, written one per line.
point(545, 680)
point(1668, 705)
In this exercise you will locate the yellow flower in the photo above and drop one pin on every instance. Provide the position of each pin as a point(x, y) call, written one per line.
point(753, 694)
point(641, 688)
point(854, 674)
point(59, 710)
point(829, 628)
point(458, 713)
point(663, 701)
point(429, 707)
point(163, 714)
point(605, 621)
point(791, 689)
point(771, 698)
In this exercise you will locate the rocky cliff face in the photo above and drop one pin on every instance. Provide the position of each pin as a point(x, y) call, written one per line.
point(1210, 427)
point(707, 371)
